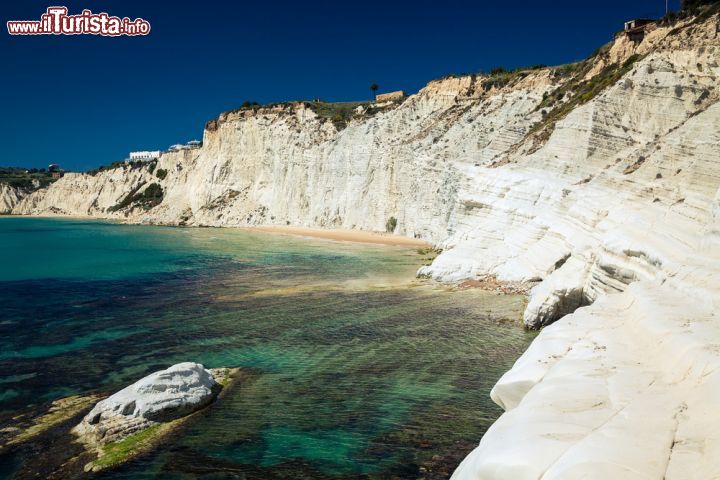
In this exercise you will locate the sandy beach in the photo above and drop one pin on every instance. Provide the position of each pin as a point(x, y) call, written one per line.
point(340, 235)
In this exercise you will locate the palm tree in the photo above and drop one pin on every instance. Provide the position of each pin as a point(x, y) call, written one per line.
point(374, 87)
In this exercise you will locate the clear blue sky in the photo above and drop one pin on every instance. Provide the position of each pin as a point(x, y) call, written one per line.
point(83, 101)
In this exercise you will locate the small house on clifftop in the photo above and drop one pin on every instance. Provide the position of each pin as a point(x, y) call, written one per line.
point(635, 29)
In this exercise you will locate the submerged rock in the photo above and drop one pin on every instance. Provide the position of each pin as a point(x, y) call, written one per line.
point(28, 426)
point(160, 397)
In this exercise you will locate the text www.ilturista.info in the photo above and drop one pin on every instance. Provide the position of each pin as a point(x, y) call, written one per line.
point(56, 21)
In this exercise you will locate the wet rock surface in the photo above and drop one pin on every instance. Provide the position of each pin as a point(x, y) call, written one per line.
point(130, 422)
point(161, 396)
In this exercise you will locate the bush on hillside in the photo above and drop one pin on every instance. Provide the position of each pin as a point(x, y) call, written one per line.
point(147, 199)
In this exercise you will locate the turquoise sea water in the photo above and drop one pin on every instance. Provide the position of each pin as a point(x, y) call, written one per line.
point(354, 368)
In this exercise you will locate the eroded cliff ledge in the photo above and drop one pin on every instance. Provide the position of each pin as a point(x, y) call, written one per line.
point(598, 183)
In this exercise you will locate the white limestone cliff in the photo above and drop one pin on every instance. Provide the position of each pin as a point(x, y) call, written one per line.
point(9, 197)
point(280, 165)
point(602, 194)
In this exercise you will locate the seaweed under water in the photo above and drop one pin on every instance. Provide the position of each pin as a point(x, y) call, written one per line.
point(356, 369)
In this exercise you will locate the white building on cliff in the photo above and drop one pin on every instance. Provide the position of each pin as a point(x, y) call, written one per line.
point(144, 155)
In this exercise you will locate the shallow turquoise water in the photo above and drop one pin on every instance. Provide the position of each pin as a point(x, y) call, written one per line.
point(355, 369)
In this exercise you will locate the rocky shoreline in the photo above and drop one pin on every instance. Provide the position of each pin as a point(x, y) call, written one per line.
point(72, 438)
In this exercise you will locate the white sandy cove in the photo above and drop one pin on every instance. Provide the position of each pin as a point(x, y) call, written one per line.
point(618, 208)
point(341, 235)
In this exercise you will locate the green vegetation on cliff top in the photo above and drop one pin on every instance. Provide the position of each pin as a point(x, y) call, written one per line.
point(26, 178)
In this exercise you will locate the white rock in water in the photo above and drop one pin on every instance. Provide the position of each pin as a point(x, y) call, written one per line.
point(161, 396)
